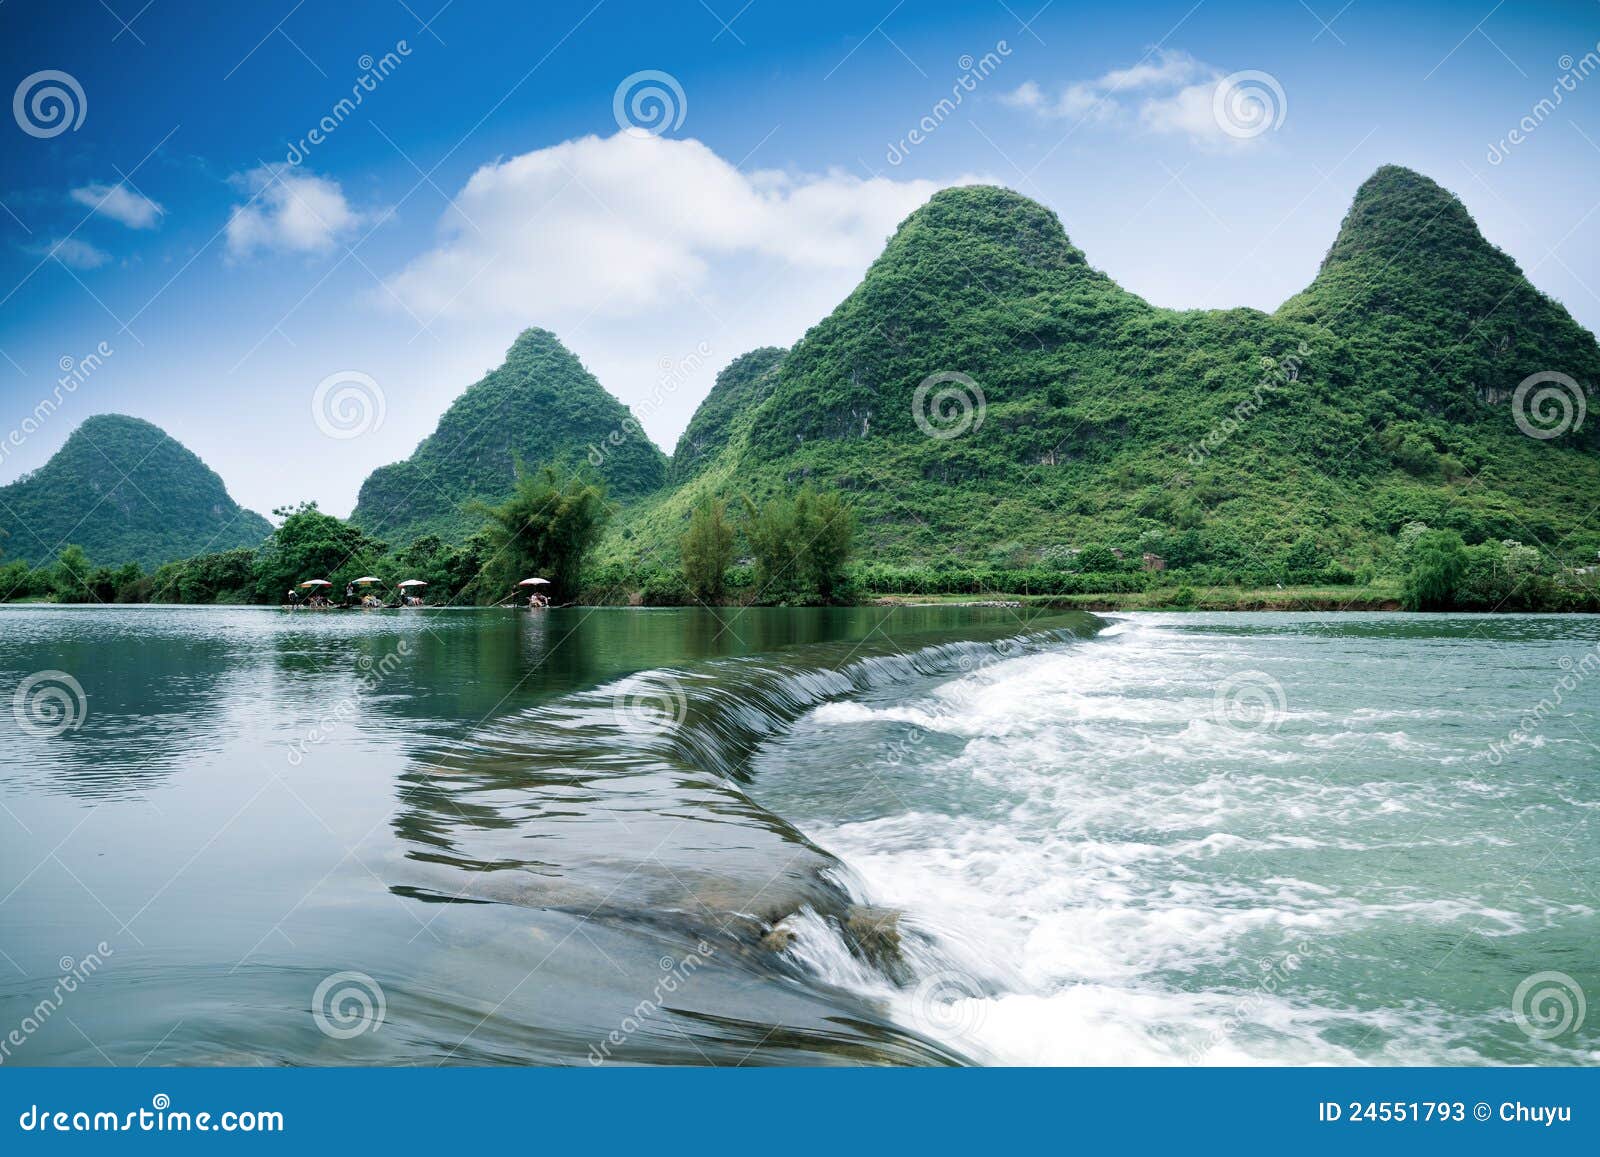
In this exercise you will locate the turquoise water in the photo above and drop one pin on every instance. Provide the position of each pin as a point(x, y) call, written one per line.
point(877, 835)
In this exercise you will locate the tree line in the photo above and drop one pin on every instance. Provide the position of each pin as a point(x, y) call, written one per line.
point(797, 553)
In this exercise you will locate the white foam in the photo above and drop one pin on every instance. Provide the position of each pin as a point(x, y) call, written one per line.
point(1136, 864)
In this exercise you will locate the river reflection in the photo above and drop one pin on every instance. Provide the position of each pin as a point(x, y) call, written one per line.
point(518, 825)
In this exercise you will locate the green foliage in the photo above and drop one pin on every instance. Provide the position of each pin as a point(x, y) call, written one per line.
point(545, 528)
point(707, 548)
point(1218, 439)
point(1435, 566)
point(71, 579)
point(18, 581)
point(309, 544)
point(1095, 559)
point(799, 546)
point(226, 577)
point(769, 530)
point(739, 388)
point(826, 525)
point(1506, 576)
point(125, 492)
point(1303, 561)
point(542, 406)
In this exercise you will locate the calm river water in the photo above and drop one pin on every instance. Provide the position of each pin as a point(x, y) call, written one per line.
point(875, 835)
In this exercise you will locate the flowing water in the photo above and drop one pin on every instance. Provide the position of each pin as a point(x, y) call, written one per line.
point(875, 835)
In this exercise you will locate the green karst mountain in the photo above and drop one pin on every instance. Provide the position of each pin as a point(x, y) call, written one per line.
point(1381, 395)
point(738, 390)
point(125, 491)
point(540, 406)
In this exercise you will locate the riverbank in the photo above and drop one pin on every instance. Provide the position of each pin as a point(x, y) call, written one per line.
point(1373, 597)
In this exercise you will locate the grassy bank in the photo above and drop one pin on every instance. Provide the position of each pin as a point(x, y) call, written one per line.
point(1372, 597)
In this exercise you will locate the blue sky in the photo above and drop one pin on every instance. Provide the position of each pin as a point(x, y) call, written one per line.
point(232, 264)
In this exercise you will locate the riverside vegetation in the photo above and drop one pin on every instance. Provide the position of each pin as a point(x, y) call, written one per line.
point(986, 413)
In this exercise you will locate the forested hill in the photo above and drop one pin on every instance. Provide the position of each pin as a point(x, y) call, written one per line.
point(125, 491)
point(987, 397)
point(540, 407)
point(739, 388)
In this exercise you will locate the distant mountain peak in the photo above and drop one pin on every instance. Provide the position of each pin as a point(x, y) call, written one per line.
point(541, 407)
point(996, 216)
point(126, 491)
point(1398, 212)
point(740, 387)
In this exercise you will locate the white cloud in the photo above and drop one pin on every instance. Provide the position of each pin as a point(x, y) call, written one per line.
point(1028, 94)
point(120, 203)
point(289, 211)
point(1161, 70)
point(655, 260)
point(1168, 92)
point(74, 253)
point(618, 224)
